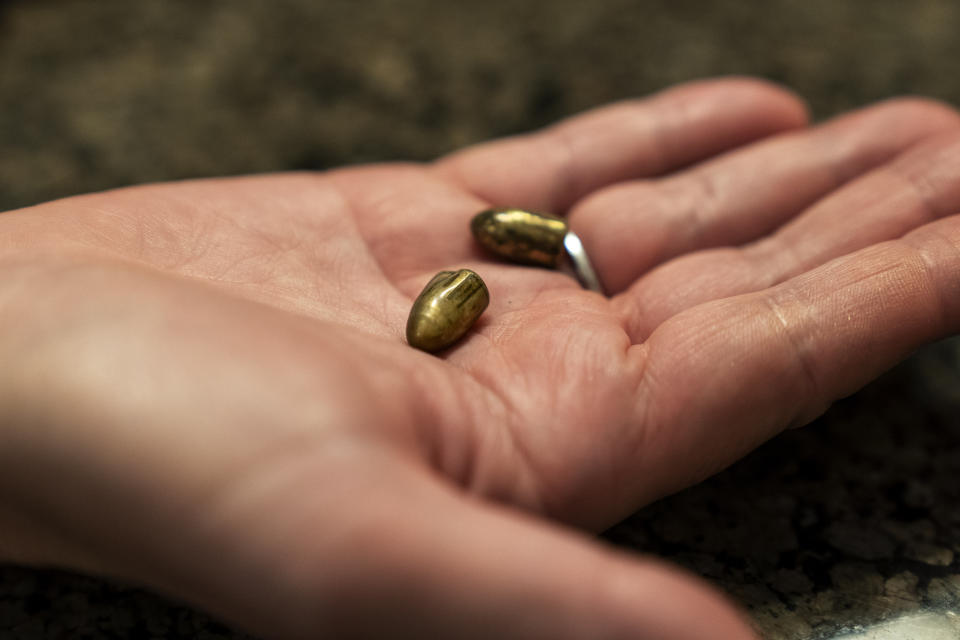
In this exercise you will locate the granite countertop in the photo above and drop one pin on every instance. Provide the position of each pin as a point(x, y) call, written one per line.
point(847, 522)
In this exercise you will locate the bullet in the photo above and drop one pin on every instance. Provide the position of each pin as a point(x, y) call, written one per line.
point(520, 236)
point(446, 309)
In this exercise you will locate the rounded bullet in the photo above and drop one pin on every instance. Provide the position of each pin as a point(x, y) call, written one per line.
point(520, 236)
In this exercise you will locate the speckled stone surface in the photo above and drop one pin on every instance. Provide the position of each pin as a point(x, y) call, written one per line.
point(851, 520)
point(847, 522)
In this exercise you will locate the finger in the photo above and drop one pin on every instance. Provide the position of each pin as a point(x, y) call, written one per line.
point(550, 169)
point(413, 558)
point(735, 371)
point(631, 227)
point(921, 185)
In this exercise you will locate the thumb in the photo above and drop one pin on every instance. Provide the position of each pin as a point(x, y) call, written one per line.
point(425, 561)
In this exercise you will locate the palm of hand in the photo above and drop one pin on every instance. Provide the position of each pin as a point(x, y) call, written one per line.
point(279, 357)
point(506, 410)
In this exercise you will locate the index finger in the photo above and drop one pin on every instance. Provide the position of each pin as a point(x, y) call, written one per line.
point(550, 169)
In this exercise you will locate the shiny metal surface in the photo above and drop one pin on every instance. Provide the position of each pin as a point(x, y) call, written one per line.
point(446, 309)
point(581, 263)
point(520, 236)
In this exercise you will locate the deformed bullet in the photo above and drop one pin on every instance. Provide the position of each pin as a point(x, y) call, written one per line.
point(446, 309)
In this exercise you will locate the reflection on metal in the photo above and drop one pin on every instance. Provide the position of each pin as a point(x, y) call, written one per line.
point(940, 625)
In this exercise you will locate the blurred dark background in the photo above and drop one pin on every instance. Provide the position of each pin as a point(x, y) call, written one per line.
point(100, 93)
point(853, 519)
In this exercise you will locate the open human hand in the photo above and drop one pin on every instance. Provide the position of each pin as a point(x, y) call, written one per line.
point(206, 388)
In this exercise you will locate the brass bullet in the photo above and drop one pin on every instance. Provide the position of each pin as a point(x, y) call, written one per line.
point(446, 309)
point(520, 236)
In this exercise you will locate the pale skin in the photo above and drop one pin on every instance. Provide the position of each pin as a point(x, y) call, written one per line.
point(206, 388)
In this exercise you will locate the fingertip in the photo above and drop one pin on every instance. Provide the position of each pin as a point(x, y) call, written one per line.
point(666, 602)
point(786, 108)
point(920, 112)
point(899, 122)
